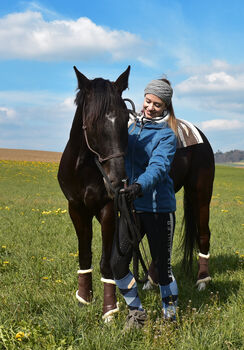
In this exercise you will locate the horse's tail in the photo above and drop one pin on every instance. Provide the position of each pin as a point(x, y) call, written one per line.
point(189, 230)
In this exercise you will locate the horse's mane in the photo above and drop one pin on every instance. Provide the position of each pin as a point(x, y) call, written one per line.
point(99, 97)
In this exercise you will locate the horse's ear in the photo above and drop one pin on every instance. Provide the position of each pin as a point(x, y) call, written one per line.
point(83, 81)
point(122, 81)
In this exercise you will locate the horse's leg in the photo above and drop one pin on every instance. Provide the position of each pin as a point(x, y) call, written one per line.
point(107, 221)
point(82, 222)
point(204, 193)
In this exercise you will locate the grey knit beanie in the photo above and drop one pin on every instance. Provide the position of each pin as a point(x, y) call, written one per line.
point(161, 89)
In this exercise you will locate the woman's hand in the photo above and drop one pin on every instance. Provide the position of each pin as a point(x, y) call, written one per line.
point(132, 192)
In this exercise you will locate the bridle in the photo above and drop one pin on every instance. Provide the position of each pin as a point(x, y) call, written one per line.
point(114, 155)
point(99, 160)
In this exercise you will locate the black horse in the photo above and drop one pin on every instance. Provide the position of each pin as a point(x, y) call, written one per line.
point(99, 129)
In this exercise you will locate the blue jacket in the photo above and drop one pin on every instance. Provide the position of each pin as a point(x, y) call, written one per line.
point(151, 149)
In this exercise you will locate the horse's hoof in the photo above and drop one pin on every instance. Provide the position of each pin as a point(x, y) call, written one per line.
point(201, 286)
point(109, 315)
point(147, 285)
point(202, 283)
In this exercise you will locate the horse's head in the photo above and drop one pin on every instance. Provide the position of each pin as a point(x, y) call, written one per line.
point(105, 122)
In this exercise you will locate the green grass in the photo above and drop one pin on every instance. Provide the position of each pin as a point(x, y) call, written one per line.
point(38, 279)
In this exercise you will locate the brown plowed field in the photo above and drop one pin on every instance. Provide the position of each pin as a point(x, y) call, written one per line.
point(28, 155)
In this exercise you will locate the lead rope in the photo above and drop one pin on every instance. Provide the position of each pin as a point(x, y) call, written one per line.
point(125, 211)
point(122, 208)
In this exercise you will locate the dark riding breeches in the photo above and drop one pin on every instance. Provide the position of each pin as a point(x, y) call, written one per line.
point(159, 228)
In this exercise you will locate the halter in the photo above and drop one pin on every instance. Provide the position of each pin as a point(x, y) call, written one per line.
point(115, 155)
point(99, 159)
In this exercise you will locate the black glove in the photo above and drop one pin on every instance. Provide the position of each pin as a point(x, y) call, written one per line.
point(132, 192)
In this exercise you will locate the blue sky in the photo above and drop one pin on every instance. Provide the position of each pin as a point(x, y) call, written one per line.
point(198, 45)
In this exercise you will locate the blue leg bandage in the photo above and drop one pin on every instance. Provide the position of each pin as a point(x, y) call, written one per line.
point(169, 294)
point(128, 289)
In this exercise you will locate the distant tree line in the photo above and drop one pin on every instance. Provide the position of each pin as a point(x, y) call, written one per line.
point(229, 157)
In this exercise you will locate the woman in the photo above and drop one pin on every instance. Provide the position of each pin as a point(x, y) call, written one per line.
point(151, 149)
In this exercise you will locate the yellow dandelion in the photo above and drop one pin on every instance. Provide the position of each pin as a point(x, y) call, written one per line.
point(237, 252)
point(45, 278)
point(46, 212)
point(64, 211)
point(73, 254)
point(6, 262)
point(58, 281)
point(4, 246)
point(19, 336)
point(242, 256)
point(224, 210)
point(44, 258)
point(7, 208)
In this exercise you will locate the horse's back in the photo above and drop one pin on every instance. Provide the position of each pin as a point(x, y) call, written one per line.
point(192, 161)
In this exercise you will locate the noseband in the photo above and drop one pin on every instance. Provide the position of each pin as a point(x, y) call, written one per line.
point(101, 160)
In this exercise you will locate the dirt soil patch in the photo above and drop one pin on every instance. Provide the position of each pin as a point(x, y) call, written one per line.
point(29, 155)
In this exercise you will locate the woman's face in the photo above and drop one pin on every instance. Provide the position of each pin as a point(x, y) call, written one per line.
point(153, 106)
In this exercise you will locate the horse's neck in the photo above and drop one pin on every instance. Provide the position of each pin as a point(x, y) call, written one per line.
point(76, 129)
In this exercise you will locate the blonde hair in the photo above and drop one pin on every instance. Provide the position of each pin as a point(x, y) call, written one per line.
point(172, 119)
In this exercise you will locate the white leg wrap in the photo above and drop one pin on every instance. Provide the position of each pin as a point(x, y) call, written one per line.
point(106, 280)
point(85, 271)
point(81, 300)
point(201, 284)
point(204, 256)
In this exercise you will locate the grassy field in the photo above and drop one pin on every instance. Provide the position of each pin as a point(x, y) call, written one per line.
point(38, 279)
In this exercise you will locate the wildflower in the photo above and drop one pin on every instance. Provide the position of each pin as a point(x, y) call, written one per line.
point(4, 246)
point(64, 211)
point(44, 258)
point(6, 262)
point(45, 278)
point(224, 210)
point(46, 212)
point(58, 281)
point(237, 252)
point(73, 254)
point(19, 336)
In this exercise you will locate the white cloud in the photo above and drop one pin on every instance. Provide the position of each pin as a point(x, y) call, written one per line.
point(7, 115)
point(221, 124)
point(218, 87)
point(214, 82)
point(27, 35)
